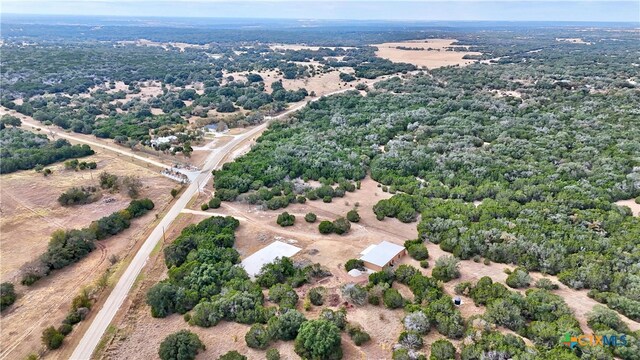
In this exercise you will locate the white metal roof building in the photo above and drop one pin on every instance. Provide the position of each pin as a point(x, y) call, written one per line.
point(266, 255)
point(377, 257)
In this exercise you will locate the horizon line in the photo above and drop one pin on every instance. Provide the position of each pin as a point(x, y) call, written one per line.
point(324, 19)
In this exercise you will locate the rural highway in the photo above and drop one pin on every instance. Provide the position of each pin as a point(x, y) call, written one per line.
point(116, 298)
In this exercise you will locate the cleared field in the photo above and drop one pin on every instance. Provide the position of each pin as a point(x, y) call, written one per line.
point(431, 53)
point(298, 47)
point(573, 41)
point(30, 213)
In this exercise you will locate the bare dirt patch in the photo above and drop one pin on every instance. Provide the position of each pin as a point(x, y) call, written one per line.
point(30, 213)
point(631, 204)
point(321, 84)
point(430, 53)
point(505, 93)
point(165, 45)
point(573, 41)
point(297, 47)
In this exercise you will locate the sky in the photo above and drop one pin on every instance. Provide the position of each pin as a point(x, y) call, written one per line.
point(473, 10)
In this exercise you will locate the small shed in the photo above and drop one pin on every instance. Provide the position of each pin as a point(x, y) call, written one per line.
point(377, 257)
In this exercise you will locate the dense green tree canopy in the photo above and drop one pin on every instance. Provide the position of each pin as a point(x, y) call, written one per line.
point(182, 345)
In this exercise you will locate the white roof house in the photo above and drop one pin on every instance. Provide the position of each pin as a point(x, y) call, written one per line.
point(164, 140)
point(381, 255)
point(266, 255)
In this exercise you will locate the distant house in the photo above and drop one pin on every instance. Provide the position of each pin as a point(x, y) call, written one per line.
point(377, 257)
point(211, 127)
point(163, 140)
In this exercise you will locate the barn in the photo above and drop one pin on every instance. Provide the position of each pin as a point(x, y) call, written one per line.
point(377, 257)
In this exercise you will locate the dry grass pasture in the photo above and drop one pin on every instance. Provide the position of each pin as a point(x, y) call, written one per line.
point(432, 53)
point(30, 213)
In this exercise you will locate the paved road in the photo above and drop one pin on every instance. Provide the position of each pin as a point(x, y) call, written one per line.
point(92, 336)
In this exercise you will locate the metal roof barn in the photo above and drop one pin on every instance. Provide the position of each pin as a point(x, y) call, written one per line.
point(266, 255)
point(378, 256)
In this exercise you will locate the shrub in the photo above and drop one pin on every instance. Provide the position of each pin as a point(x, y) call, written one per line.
point(182, 345)
point(319, 339)
point(417, 322)
point(402, 354)
point(161, 298)
point(404, 273)
point(276, 272)
point(283, 295)
point(442, 350)
point(546, 284)
point(133, 185)
point(357, 334)
point(226, 194)
point(214, 203)
point(354, 293)
point(286, 326)
point(392, 299)
point(360, 337)
point(384, 276)
point(354, 264)
point(326, 199)
point(204, 207)
point(108, 181)
point(286, 219)
point(52, 338)
point(65, 329)
point(174, 192)
point(353, 216)
point(410, 340)
point(519, 278)
point(374, 300)
point(463, 288)
point(446, 268)
point(78, 196)
point(602, 319)
point(316, 296)
point(339, 318)
point(341, 226)
point(273, 354)
point(310, 217)
point(72, 318)
point(325, 227)
point(424, 264)
point(419, 252)
point(232, 355)
point(7, 295)
point(257, 337)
